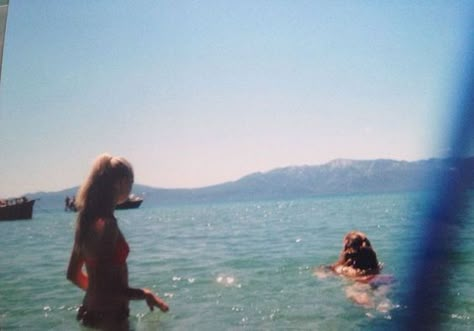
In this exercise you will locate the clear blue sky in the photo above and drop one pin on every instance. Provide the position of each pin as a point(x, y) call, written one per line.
point(196, 93)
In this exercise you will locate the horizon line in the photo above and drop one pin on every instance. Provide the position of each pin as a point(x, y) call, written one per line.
point(249, 174)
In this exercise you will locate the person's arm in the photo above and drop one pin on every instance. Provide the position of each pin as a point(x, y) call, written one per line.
point(74, 271)
point(151, 299)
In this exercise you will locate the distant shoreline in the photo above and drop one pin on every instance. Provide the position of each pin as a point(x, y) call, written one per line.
point(338, 177)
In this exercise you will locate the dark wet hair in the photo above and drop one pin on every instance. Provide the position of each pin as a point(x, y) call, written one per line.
point(365, 259)
point(358, 253)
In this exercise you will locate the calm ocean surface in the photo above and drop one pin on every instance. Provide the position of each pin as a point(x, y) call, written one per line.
point(234, 266)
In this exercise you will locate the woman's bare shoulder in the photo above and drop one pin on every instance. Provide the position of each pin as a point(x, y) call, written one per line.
point(104, 225)
point(104, 232)
point(347, 271)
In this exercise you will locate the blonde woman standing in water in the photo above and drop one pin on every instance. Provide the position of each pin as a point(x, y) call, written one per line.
point(101, 247)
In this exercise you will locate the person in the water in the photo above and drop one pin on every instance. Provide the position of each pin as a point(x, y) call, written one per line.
point(357, 258)
point(100, 246)
point(358, 261)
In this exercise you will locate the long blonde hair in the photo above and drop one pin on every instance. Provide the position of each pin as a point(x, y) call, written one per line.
point(98, 194)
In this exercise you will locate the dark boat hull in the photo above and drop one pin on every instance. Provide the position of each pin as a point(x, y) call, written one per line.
point(130, 204)
point(19, 211)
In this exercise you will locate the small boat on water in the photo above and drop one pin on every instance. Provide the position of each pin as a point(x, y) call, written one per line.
point(16, 209)
point(132, 202)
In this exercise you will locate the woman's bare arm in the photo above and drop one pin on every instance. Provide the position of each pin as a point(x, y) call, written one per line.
point(151, 299)
point(74, 271)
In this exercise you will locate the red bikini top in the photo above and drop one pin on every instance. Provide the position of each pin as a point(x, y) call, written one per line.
point(121, 251)
point(120, 254)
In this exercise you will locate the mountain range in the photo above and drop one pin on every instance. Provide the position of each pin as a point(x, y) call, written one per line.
point(341, 176)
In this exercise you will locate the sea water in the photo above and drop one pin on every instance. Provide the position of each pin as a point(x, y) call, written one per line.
point(234, 266)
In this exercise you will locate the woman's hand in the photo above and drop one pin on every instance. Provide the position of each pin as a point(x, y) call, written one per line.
point(153, 300)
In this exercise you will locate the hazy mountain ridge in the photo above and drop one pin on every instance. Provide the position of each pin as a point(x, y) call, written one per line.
point(341, 176)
